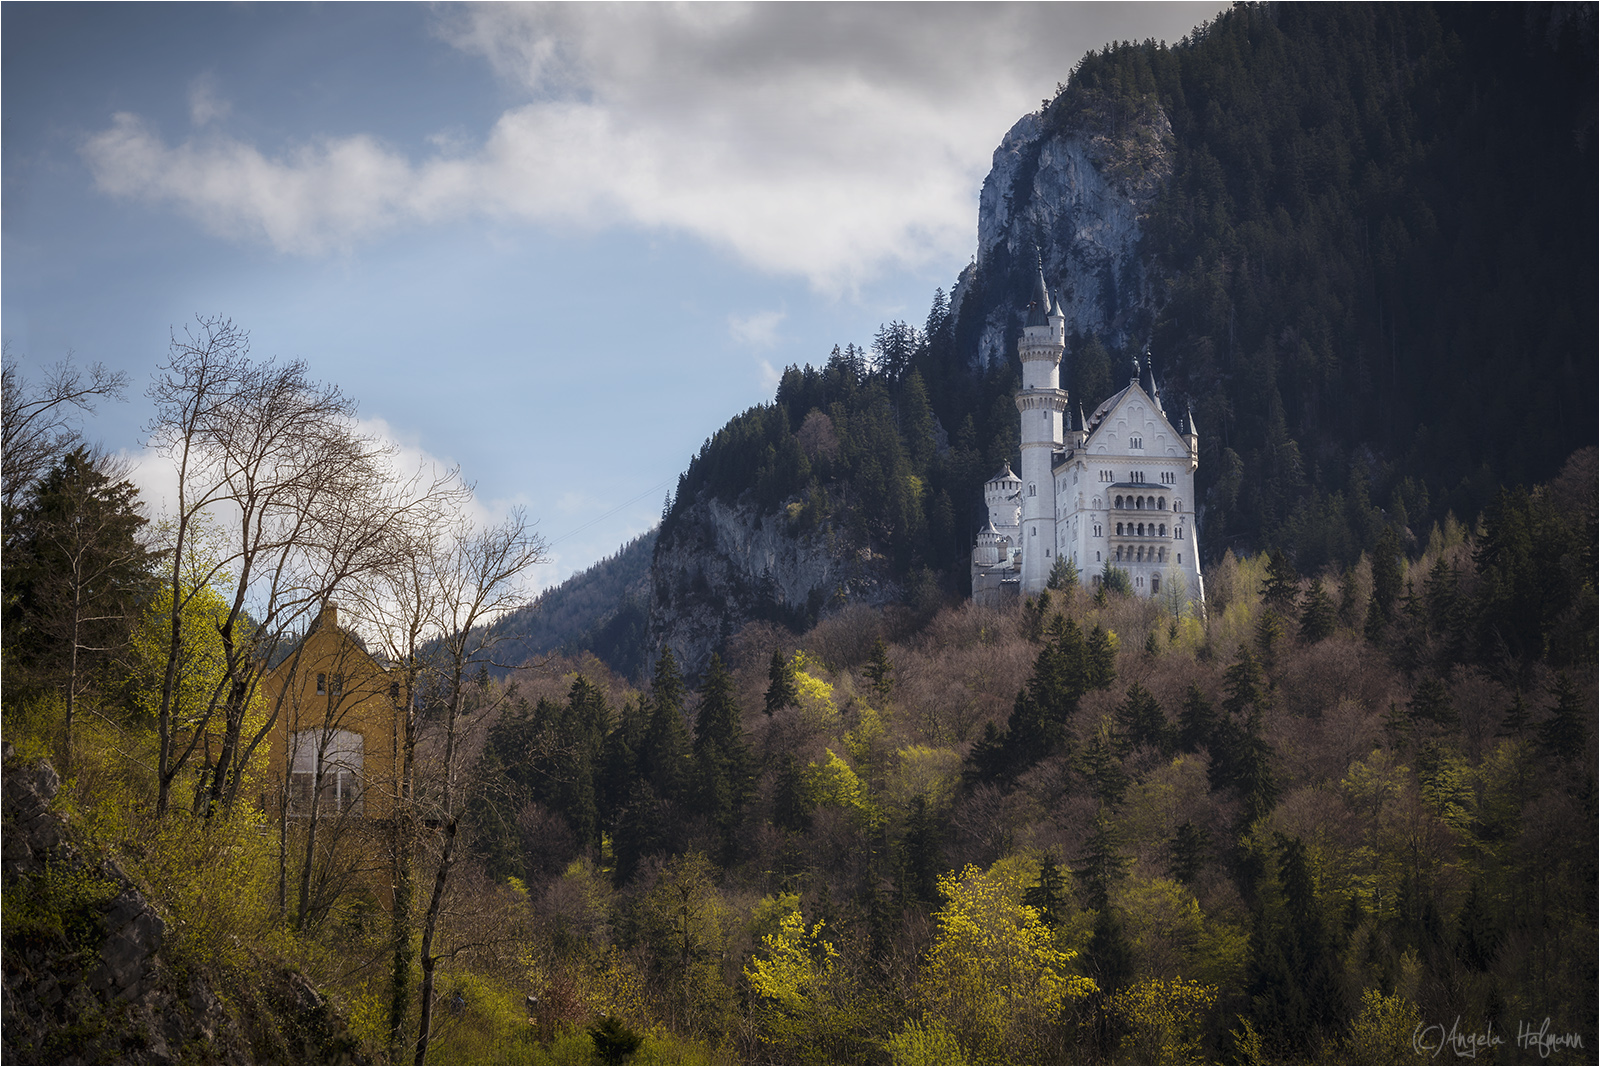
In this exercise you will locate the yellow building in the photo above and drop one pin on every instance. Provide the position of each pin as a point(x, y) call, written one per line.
point(339, 711)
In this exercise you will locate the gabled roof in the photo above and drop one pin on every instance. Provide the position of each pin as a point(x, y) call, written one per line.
point(1133, 391)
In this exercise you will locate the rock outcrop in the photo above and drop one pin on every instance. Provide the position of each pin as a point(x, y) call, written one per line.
point(1070, 188)
point(87, 977)
point(719, 566)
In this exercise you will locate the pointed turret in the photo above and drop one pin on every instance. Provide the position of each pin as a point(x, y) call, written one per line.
point(1039, 308)
point(1148, 379)
point(1191, 439)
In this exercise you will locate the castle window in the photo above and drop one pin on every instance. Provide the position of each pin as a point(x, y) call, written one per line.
point(1097, 560)
point(322, 683)
point(1136, 442)
point(1163, 529)
point(336, 686)
point(1155, 585)
point(1119, 529)
point(394, 692)
point(1178, 533)
point(1033, 490)
point(1180, 557)
point(1118, 502)
point(1161, 504)
point(1119, 553)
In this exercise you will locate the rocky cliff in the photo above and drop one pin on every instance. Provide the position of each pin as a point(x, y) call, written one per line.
point(1069, 186)
point(89, 979)
point(719, 566)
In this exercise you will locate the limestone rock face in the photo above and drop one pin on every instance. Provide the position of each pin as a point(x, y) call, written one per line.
point(720, 565)
point(88, 980)
point(1071, 190)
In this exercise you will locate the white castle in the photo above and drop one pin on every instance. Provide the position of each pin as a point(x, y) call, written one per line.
point(1117, 488)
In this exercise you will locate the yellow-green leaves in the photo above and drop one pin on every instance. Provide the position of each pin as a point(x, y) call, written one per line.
point(994, 976)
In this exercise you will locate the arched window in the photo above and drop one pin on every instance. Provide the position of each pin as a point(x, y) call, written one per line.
point(1163, 530)
point(1118, 502)
point(1033, 490)
point(1161, 504)
point(1119, 529)
point(1155, 585)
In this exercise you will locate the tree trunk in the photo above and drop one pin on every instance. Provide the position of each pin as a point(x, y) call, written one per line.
point(429, 925)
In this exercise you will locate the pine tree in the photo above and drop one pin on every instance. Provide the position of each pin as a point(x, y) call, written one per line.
point(1100, 659)
point(1141, 721)
point(1048, 895)
point(1386, 573)
point(1100, 766)
point(664, 758)
point(791, 800)
point(1188, 849)
point(1197, 720)
point(1561, 736)
point(1291, 975)
point(1063, 575)
point(1317, 616)
point(782, 689)
point(1283, 582)
point(880, 671)
point(720, 752)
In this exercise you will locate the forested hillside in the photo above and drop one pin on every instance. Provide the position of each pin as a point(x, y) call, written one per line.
point(1342, 810)
point(602, 611)
point(1375, 273)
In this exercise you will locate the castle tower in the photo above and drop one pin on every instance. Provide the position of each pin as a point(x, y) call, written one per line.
point(1040, 403)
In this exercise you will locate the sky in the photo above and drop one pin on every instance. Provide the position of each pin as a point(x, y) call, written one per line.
point(558, 245)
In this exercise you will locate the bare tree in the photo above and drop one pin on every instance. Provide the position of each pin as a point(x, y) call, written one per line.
point(476, 578)
point(306, 501)
point(36, 425)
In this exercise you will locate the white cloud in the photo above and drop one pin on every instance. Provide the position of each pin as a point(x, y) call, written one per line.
point(155, 476)
point(756, 330)
point(829, 141)
point(205, 106)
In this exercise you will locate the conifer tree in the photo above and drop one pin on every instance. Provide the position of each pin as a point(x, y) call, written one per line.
point(1048, 894)
point(1100, 659)
point(1063, 575)
point(1317, 616)
point(1283, 581)
point(1141, 722)
point(720, 752)
point(782, 690)
point(1197, 720)
point(1188, 850)
point(1291, 974)
point(664, 759)
point(791, 800)
point(1561, 735)
point(880, 671)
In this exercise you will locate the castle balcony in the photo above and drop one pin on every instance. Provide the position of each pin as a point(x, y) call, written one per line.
point(1137, 532)
point(1141, 502)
